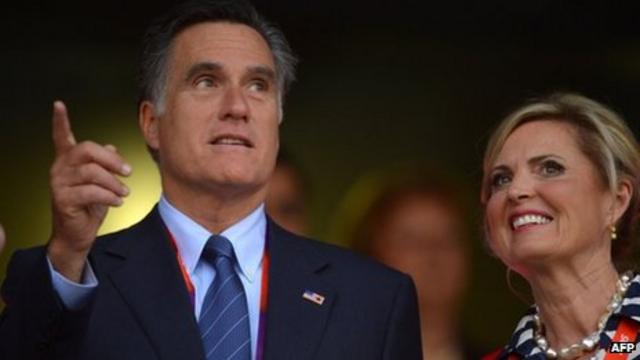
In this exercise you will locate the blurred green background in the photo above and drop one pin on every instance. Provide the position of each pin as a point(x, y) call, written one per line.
point(380, 83)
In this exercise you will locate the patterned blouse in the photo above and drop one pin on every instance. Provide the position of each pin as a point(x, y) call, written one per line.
point(524, 346)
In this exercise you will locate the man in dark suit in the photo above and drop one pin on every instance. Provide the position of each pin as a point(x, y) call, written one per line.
point(206, 275)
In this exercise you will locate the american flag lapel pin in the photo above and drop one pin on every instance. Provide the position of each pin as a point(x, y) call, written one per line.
point(313, 297)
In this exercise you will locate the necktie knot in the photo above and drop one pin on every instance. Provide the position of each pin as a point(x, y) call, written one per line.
point(218, 246)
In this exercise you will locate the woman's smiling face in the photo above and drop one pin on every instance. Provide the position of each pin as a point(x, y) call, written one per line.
point(548, 202)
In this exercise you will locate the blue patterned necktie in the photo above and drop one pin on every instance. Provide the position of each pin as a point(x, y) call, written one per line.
point(224, 317)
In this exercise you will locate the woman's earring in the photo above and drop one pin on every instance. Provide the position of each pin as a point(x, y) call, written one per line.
point(614, 234)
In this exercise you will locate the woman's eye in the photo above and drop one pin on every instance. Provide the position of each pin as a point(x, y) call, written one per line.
point(500, 180)
point(551, 168)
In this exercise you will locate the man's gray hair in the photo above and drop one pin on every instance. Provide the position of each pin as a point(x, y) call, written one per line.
point(159, 36)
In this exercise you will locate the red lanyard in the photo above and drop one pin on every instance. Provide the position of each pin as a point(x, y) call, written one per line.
point(264, 289)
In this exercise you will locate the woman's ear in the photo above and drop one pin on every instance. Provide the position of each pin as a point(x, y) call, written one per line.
point(621, 200)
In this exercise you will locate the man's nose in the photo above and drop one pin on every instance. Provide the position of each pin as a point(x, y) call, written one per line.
point(234, 105)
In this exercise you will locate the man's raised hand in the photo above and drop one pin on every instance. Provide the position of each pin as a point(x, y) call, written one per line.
point(84, 183)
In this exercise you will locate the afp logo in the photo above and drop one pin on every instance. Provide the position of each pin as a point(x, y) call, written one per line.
point(622, 347)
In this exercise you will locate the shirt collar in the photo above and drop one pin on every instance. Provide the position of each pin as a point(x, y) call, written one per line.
point(247, 237)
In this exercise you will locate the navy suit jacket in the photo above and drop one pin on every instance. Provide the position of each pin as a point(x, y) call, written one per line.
point(141, 308)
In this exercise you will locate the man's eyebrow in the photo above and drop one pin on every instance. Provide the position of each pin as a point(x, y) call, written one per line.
point(264, 71)
point(202, 67)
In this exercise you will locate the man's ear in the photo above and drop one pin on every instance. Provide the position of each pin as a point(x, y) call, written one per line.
point(148, 122)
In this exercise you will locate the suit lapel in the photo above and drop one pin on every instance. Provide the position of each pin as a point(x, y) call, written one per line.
point(150, 283)
point(295, 325)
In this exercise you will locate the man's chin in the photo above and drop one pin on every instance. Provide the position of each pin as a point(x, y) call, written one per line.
point(237, 185)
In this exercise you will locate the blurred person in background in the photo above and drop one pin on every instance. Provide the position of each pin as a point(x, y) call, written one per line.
point(2, 243)
point(2, 238)
point(560, 190)
point(288, 197)
point(417, 225)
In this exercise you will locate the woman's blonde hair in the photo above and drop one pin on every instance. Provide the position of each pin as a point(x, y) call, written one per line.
point(602, 135)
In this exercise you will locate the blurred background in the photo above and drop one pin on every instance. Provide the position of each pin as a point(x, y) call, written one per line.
point(382, 85)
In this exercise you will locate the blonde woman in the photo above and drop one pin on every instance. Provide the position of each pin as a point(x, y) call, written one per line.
point(560, 191)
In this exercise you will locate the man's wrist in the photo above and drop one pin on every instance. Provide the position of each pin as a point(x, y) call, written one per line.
point(68, 262)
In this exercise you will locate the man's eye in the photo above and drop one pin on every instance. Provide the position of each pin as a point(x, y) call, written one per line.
point(500, 180)
point(551, 168)
point(259, 85)
point(205, 82)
